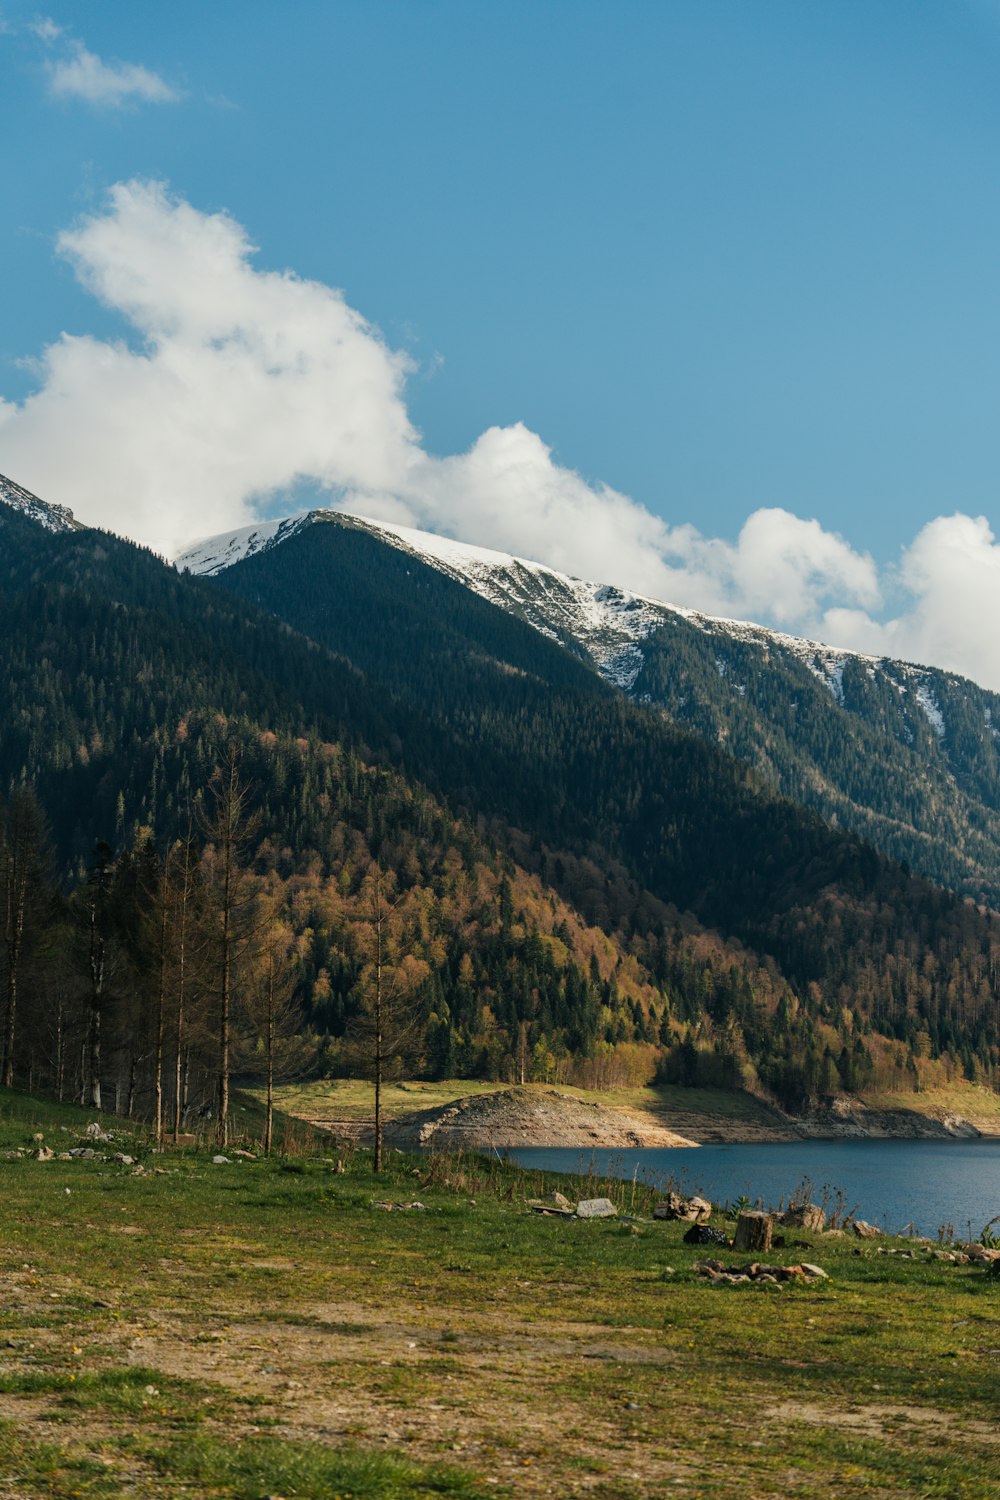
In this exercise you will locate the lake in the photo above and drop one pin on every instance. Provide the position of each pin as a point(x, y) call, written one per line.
point(890, 1183)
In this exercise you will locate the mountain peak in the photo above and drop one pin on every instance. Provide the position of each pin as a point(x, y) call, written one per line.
point(52, 517)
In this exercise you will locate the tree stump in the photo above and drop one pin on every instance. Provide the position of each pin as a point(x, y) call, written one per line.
point(753, 1231)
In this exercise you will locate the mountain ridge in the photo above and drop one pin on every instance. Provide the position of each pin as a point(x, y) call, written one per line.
point(906, 756)
point(51, 517)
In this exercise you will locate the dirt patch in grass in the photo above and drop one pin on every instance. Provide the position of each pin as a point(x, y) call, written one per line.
point(880, 1420)
point(442, 1384)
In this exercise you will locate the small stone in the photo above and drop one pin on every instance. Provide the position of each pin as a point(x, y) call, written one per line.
point(43, 1153)
point(815, 1271)
point(864, 1230)
point(220, 1161)
point(123, 1160)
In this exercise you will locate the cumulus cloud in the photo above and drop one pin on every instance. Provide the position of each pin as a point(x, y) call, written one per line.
point(949, 578)
point(236, 384)
point(83, 75)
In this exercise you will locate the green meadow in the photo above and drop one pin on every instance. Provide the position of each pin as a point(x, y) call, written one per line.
point(270, 1328)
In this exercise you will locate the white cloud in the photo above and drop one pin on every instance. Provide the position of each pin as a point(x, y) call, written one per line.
point(949, 576)
point(45, 29)
point(84, 75)
point(240, 383)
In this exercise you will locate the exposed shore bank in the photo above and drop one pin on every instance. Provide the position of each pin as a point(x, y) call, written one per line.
point(537, 1115)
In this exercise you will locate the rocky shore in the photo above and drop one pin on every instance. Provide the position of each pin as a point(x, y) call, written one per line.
point(852, 1119)
point(534, 1115)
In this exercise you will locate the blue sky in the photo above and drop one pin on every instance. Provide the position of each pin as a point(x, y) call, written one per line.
point(729, 259)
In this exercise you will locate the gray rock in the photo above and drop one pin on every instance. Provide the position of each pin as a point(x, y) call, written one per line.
point(123, 1160)
point(864, 1230)
point(220, 1161)
point(94, 1132)
point(596, 1208)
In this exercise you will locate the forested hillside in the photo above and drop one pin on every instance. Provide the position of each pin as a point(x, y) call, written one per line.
point(584, 769)
point(577, 888)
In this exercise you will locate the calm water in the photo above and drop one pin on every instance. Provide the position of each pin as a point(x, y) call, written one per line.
point(889, 1182)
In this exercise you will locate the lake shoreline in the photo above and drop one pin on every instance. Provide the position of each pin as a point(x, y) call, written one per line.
point(536, 1115)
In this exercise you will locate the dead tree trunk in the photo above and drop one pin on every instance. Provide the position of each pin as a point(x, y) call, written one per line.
point(753, 1231)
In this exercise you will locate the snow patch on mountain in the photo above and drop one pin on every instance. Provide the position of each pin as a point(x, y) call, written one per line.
point(52, 517)
point(215, 553)
point(929, 704)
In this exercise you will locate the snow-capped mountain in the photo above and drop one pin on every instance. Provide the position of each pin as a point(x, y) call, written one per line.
point(611, 624)
point(52, 517)
point(907, 756)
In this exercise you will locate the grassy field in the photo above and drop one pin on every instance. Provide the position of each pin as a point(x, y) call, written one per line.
point(269, 1329)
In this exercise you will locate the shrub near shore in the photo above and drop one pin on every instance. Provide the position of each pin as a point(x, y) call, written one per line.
point(280, 1333)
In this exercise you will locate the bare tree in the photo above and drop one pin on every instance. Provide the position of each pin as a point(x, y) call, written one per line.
point(385, 1033)
point(99, 883)
point(182, 880)
point(230, 827)
point(271, 1043)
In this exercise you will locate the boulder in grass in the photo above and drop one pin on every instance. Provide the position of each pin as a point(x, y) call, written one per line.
point(596, 1208)
point(805, 1216)
point(674, 1206)
point(864, 1230)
